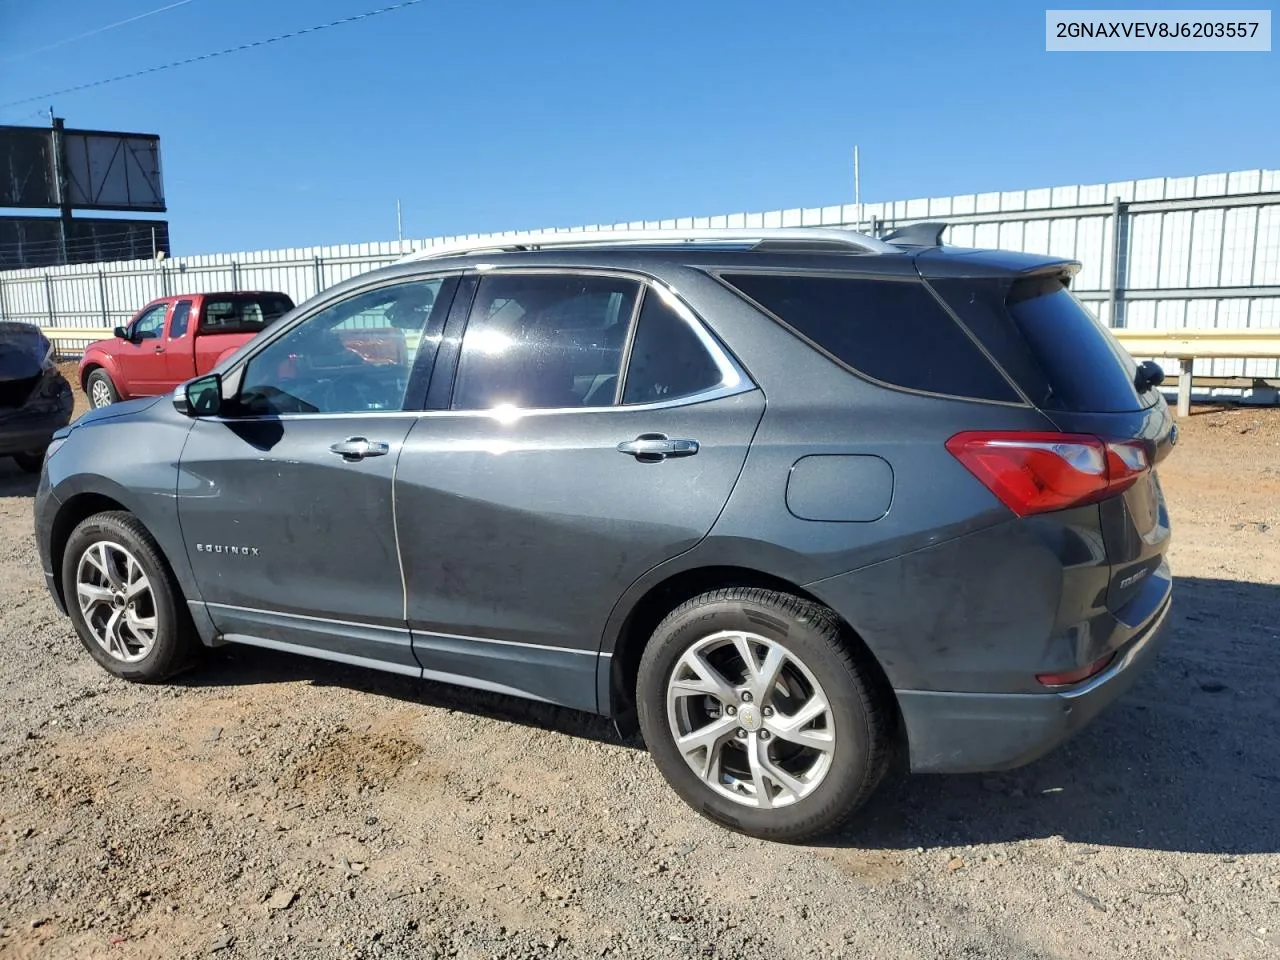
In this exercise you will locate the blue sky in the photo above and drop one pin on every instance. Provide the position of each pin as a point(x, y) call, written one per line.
point(510, 115)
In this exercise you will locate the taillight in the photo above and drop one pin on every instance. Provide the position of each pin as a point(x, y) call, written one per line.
point(1080, 674)
point(1039, 472)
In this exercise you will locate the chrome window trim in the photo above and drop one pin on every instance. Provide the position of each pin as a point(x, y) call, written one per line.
point(500, 413)
point(733, 378)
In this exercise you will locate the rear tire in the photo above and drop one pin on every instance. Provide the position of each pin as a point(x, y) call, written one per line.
point(123, 600)
point(795, 744)
point(100, 390)
point(30, 462)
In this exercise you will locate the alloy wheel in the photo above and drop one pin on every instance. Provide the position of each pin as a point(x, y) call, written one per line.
point(100, 394)
point(116, 601)
point(750, 719)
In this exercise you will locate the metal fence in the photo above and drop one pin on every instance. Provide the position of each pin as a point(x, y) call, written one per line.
point(1159, 254)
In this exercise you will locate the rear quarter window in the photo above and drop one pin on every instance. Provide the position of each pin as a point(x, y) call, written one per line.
point(893, 331)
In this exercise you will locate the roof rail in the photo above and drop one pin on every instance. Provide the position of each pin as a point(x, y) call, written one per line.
point(847, 241)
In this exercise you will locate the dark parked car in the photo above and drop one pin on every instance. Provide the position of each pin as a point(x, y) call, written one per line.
point(795, 500)
point(35, 399)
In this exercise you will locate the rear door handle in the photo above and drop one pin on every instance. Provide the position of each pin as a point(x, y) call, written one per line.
point(353, 449)
point(654, 447)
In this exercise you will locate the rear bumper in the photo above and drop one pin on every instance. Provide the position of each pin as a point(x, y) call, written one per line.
point(28, 435)
point(29, 429)
point(984, 732)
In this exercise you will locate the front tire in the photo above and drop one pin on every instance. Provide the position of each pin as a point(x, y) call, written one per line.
point(100, 390)
point(763, 714)
point(123, 600)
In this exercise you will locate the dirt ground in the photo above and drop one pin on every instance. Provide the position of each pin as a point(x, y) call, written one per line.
point(272, 806)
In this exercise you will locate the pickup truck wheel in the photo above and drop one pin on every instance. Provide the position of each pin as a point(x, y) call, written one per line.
point(762, 713)
point(102, 392)
point(123, 600)
point(29, 462)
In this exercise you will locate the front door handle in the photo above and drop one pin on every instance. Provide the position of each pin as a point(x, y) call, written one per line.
point(159, 348)
point(353, 449)
point(655, 447)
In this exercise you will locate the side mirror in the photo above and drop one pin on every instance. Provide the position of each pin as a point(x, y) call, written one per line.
point(1150, 374)
point(201, 397)
point(121, 332)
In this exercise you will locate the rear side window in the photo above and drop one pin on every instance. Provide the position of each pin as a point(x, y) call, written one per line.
point(668, 361)
point(539, 341)
point(1052, 346)
point(893, 331)
point(181, 316)
point(246, 313)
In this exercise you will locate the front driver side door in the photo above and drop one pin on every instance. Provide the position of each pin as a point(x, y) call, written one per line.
point(141, 358)
point(285, 501)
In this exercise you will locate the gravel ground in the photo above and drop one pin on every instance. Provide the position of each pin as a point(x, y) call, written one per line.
point(272, 806)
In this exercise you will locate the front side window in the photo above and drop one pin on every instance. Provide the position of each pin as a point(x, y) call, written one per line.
point(181, 316)
point(354, 356)
point(540, 341)
point(150, 324)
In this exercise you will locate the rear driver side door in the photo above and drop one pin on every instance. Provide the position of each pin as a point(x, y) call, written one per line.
point(540, 492)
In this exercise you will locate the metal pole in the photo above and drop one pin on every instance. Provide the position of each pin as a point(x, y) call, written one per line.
point(1117, 244)
point(1185, 377)
point(102, 296)
point(154, 250)
point(60, 185)
point(857, 178)
point(235, 276)
point(318, 273)
point(399, 223)
point(4, 309)
point(48, 297)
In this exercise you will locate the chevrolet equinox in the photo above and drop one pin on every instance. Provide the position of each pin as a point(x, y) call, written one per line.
point(794, 501)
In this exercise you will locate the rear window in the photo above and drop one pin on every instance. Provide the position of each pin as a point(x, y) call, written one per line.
point(1052, 346)
point(247, 313)
point(893, 331)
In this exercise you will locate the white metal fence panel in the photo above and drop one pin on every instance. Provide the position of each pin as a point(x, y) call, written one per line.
point(1193, 252)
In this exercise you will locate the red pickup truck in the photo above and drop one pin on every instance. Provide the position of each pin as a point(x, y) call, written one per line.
point(172, 340)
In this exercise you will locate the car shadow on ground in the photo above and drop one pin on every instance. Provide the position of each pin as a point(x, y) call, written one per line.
point(1186, 761)
point(235, 665)
point(15, 482)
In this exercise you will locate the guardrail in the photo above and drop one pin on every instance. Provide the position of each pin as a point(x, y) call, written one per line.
point(1185, 346)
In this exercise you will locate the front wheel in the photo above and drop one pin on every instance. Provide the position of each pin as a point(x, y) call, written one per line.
point(101, 391)
point(123, 600)
point(763, 714)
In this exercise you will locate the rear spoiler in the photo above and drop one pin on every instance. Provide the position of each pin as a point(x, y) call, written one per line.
point(927, 234)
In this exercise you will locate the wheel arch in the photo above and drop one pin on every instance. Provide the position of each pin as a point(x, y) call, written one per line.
point(620, 670)
point(94, 363)
point(86, 371)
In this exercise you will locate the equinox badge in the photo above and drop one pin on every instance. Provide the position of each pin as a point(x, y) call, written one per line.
point(225, 548)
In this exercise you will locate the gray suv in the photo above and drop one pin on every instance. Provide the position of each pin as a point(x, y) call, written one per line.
point(795, 501)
